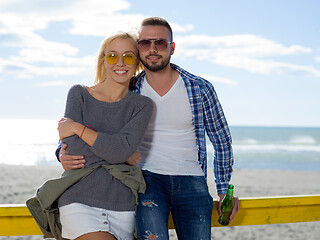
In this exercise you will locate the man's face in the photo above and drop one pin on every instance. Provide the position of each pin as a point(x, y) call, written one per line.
point(154, 58)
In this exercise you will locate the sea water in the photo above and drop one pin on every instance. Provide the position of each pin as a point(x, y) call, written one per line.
point(33, 142)
point(28, 141)
point(281, 148)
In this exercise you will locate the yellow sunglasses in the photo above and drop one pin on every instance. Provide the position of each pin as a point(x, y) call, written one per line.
point(127, 58)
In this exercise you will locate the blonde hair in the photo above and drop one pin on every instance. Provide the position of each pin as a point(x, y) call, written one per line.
point(100, 70)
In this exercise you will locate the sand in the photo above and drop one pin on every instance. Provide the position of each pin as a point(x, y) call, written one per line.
point(18, 183)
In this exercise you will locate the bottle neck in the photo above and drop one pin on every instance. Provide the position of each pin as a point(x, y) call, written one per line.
point(229, 193)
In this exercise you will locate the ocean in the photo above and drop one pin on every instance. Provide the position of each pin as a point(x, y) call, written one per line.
point(276, 148)
point(33, 142)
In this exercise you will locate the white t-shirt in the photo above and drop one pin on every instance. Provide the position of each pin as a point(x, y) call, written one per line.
point(169, 146)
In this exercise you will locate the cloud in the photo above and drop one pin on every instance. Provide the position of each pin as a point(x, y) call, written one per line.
point(248, 52)
point(94, 25)
point(20, 23)
point(88, 17)
point(52, 84)
point(73, 67)
point(218, 79)
point(178, 28)
point(10, 40)
point(37, 49)
point(53, 61)
point(34, 6)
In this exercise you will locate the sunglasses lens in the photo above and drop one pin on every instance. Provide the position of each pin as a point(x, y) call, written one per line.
point(112, 58)
point(161, 44)
point(128, 58)
point(144, 45)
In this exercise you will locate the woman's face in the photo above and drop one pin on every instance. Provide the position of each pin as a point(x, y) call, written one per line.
point(121, 70)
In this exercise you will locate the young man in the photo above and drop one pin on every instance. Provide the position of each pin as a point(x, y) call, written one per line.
point(173, 153)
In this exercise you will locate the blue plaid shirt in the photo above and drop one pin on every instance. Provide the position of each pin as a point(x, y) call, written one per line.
point(208, 117)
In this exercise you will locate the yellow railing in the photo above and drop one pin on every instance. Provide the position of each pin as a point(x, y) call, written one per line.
point(16, 220)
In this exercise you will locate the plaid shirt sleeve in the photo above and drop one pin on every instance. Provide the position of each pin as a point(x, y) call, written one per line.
point(219, 134)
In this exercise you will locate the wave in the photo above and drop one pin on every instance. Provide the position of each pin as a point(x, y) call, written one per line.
point(33, 142)
point(277, 148)
point(303, 140)
point(293, 140)
point(28, 154)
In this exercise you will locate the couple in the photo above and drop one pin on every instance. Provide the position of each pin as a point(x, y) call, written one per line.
point(164, 118)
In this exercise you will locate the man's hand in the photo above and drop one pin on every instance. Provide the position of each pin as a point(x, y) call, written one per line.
point(134, 159)
point(70, 162)
point(235, 209)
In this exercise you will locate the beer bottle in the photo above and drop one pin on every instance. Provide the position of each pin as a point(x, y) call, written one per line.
point(226, 206)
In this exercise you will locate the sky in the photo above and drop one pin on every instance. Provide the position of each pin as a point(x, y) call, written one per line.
point(263, 57)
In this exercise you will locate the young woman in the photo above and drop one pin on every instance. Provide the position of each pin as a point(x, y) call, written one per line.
point(105, 123)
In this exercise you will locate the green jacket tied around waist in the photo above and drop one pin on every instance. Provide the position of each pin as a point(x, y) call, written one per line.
point(44, 206)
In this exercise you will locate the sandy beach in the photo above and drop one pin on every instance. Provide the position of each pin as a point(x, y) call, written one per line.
point(18, 183)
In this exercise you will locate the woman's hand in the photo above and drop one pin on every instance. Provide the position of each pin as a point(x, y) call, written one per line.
point(134, 159)
point(67, 127)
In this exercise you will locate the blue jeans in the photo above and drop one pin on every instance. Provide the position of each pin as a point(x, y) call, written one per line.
point(188, 199)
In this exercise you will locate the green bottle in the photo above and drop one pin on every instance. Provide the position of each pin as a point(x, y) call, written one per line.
point(226, 206)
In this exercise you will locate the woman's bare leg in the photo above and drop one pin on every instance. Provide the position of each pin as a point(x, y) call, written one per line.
point(97, 236)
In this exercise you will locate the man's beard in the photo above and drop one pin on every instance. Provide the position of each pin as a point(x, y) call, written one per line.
point(153, 67)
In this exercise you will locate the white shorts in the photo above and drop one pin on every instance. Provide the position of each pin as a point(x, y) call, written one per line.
point(78, 219)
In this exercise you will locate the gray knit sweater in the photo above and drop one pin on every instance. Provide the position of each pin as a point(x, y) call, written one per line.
point(121, 127)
